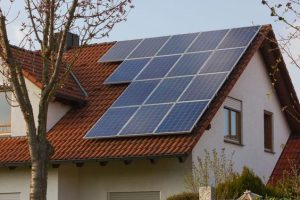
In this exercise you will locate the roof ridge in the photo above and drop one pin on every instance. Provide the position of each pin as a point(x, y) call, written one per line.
point(92, 45)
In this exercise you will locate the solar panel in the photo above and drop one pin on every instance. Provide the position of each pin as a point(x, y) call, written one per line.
point(189, 64)
point(111, 122)
point(178, 44)
point(136, 93)
point(119, 51)
point(173, 80)
point(146, 119)
point(208, 40)
point(222, 60)
point(239, 37)
point(182, 117)
point(169, 90)
point(127, 71)
point(149, 47)
point(203, 87)
point(158, 67)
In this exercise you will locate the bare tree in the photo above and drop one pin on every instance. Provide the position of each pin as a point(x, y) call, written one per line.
point(90, 19)
point(287, 12)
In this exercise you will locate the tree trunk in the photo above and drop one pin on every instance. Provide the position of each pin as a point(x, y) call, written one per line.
point(39, 172)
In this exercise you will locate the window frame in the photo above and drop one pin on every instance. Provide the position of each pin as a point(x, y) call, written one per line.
point(271, 126)
point(228, 136)
point(6, 89)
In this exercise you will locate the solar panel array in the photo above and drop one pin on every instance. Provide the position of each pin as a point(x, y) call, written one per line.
point(172, 80)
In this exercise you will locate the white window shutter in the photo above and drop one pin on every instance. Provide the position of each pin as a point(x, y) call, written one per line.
point(233, 104)
point(148, 195)
point(9, 196)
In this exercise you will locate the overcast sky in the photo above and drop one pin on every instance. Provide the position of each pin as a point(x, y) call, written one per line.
point(168, 17)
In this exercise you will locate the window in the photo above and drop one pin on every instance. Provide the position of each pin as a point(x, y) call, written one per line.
point(5, 112)
point(268, 131)
point(233, 120)
point(232, 124)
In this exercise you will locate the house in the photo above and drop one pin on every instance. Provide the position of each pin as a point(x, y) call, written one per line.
point(243, 114)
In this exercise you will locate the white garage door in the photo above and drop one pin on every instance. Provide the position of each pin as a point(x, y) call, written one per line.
point(9, 196)
point(134, 195)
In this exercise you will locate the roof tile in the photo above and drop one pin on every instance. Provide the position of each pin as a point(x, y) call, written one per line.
point(67, 136)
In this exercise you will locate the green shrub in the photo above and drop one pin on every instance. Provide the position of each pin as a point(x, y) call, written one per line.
point(235, 187)
point(184, 196)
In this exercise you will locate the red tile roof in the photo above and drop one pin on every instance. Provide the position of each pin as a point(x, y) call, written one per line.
point(289, 159)
point(32, 64)
point(67, 135)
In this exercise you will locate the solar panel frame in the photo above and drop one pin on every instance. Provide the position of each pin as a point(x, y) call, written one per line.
point(110, 123)
point(149, 116)
point(125, 54)
point(222, 60)
point(169, 90)
point(199, 43)
point(140, 52)
point(203, 105)
point(130, 97)
point(197, 89)
point(168, 49)
point(196, 62)
point(156, 70)
point(132, 69)
point(232, 39)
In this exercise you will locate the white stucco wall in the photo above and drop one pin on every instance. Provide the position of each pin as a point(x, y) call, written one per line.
point(255, 91)
point(56, 111)
point(93, 182)
point(18, 181)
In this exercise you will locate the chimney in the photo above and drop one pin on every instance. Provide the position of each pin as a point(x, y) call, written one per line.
point(72, 40)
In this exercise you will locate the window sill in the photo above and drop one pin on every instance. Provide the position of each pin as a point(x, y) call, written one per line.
point(231, 141)
point(5, 135)
point(269, 151)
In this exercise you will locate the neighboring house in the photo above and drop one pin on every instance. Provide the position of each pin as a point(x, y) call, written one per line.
point(245, 115)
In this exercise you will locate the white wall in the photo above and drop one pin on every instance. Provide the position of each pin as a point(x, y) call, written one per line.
point(68, 183)
point(93, 182)
point(256, 93)
point(55, 112)
point(18, 181)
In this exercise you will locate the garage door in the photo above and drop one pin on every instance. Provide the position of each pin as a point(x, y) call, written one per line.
point(9, 196)
point(134, 195)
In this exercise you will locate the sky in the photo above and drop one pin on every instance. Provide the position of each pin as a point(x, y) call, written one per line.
point(152, 18)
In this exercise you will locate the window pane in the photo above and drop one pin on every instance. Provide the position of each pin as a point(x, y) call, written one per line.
point(226, 122)
point(4, 113)
point(268, 131)
point(233, 124)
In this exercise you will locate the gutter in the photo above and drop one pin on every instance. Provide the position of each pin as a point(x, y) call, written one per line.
point(181, 158)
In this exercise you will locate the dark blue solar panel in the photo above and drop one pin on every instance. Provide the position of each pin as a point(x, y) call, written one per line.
point(111, 123)
point(120, 51)
point(158, 67)
point(136, 93)
point(127, 71)
point(203, 87)
point(178, 44)
point(207, 40)
point(189, 64)
point(182, 117)
point(149, 47)
point(169, 90)
point(222, 60)
point(239, 37)
point(146, 119)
